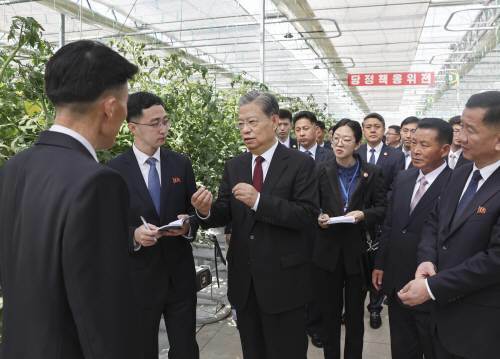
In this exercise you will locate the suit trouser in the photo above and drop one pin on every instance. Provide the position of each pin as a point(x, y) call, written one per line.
point(440, 351)
point(331, 288)
point(271, 336)
point(180, 322)
point(376, 297)
point(411, 332)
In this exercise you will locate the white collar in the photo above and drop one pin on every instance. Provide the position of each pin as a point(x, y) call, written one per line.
point(377, 148)
point(268, 155)
point(72, 133)
point(487, 171)
point(285, 142)
point(431, 176)
point(142, 157)
point(457, 153)
point(312, 149)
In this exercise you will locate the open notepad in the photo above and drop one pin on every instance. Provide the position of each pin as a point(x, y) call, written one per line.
point(341, 219)
point(174, 224)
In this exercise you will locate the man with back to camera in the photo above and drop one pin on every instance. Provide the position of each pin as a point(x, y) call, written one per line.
point(459, 253)
point(161, 183)
point(390, 161)
point(305, 128)
point(304, 124)
point(408, 128)
point(393, 137)
point(456, 157)
point(63, 219)
point(271, 198)
point(284, 126)
point(415, 193)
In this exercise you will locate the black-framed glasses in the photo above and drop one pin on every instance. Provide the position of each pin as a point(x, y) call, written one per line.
point(155, 124)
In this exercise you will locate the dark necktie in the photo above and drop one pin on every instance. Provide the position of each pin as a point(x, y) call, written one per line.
point(372, 157)
point(469, 193)
point(258, 175)
point(154, 183)
point(309, 153)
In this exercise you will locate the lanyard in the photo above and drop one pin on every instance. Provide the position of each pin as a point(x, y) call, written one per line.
point(345, 192)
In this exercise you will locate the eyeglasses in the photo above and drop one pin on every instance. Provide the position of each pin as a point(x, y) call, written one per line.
point(252, 123)
point(345, 140)
point(155, 124)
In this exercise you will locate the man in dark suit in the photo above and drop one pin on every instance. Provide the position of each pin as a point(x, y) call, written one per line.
point(161, 183)
point(63, 219)
point(390, 161)
point(456, 157)
point(305, 127)
point(459, 253)
point(408, 128)
point(271, 197)
point(321, 133)
point(393, 137)
point(283, 130)
point(415, 193)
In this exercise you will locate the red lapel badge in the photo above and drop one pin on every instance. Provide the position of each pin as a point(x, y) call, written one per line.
point(481, 210)
point(176, 180)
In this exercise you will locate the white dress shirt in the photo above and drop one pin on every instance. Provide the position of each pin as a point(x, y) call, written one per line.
point(312, 150)
point(286, 142)
point(453, 158)
point(377, 149)
point(486, 172)
point(407, 157)
point(268, 156)
point(430, 177)
point(141, 158)
point(76, 136)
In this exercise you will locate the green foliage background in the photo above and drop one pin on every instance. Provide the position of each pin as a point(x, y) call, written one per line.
point(203, 116)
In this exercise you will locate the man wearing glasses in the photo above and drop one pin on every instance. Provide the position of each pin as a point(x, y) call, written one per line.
point(161, 183)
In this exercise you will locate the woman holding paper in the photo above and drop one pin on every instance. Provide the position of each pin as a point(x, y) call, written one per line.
point(352, 198)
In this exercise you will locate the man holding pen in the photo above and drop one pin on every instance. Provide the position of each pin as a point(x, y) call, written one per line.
point(161, 183)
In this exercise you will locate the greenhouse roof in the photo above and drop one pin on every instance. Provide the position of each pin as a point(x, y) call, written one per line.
point(308, 47)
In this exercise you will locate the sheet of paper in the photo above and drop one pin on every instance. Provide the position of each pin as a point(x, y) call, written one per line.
point(173, 225)
point(341, 219)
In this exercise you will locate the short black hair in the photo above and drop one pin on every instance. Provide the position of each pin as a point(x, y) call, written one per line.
point(455, 120)
point(410, 120)
point(321, 124)
point(81, 71)
point(377, 116)
point(140, 101)
point(353, 125)
point(285, 114)
point(489, 100)
point(305, 114)
point(396, 128)
point(443, 128)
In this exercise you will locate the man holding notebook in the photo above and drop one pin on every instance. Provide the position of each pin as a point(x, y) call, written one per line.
point(161, 183)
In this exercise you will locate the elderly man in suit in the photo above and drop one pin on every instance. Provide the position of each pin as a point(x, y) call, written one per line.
point(271, 198)
point(63, 220)
point(161, 183)
point(456, 156)
point(415, 193)
point(390, 161)
point(459, 253)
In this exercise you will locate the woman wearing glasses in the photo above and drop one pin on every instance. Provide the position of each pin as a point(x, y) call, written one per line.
point(348, 187)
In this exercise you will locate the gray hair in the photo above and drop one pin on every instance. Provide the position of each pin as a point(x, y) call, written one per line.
point(267, 102)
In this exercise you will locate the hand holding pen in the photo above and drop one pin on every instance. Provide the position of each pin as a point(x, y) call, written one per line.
point(147, 234)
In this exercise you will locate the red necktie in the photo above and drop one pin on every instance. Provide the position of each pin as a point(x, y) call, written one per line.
point(258, 175)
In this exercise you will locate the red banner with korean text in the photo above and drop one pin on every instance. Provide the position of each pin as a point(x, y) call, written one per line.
point(391, 79)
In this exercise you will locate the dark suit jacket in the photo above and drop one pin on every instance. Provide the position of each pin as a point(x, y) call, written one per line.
point(63, 258)
point(461, 161)
point(397, 255)
point(466, 251)
point(390, 160)
point(350, 239)
point(170, 262)
point(327, 145)
point(268, 246)
point(293, 143)
point(322, 154)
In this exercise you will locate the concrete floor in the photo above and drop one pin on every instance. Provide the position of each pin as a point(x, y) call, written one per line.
point(221, 341)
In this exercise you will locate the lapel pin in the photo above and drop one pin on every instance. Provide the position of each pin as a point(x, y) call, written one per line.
point(385, 153)
point(365, 175)
point(481, 210)
point(176, 180)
